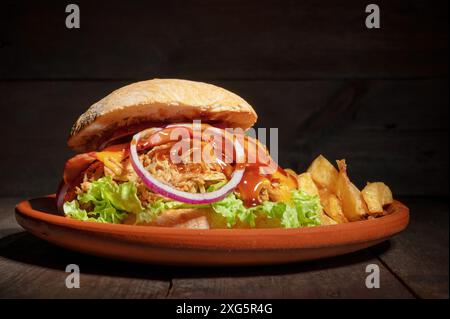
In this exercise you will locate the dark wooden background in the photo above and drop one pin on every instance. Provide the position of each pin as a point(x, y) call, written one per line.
point(378, 98)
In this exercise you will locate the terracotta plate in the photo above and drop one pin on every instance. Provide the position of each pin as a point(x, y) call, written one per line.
point(206, 247)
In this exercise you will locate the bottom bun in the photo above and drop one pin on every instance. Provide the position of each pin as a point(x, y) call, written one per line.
point(193, 218)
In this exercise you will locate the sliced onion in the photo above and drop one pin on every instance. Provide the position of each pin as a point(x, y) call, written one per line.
point(166, 190)
point(62, 190)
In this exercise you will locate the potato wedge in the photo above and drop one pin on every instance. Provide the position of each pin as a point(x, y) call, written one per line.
point(353, 204)
point(332, 206)
point(377, 195)
point(306, 184)
point(326, 220)
point(324, 173)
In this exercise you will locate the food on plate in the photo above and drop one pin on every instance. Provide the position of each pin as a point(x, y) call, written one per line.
point(353, 204)
point(324, 173)
point(174, 153)
point(306, 184)
point(377, 195)
point(332, 206)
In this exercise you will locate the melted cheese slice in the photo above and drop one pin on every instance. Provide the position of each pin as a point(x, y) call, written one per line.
point(112, 160)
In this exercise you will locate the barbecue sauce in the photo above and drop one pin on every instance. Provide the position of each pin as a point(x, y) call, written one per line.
point(254, 180)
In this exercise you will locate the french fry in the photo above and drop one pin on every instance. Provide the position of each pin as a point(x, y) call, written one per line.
point(332, 206)
point(324, 173)
point(306, 184)
point(376, 195)
point(353, 204)
point(326, 220)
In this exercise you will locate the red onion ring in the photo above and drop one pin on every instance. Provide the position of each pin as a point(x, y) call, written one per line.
point(186, 197)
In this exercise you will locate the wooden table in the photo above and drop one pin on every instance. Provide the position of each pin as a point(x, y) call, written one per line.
point(412, 265)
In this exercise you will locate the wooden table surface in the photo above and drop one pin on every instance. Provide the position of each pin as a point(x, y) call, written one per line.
point(412, 265)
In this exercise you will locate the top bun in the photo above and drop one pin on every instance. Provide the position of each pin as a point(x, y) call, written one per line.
point(157, 102)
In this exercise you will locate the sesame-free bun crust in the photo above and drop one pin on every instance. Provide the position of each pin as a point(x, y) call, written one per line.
point(160, 101)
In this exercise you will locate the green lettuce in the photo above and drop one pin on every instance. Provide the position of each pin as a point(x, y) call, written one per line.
point(112, 202)
point(232, 208)
point(73, 210)
point(303, 211)
point(308, 209)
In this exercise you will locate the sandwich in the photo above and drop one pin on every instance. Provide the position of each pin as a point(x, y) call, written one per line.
point(175, 153)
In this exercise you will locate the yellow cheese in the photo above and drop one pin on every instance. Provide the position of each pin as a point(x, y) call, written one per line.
point(111, 160)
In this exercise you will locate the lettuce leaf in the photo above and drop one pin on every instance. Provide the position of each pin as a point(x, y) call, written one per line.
point(112, 202)
point(73, 210)
point(308, 208)
point(272, 210)
point(232, 208)
point(303, 211)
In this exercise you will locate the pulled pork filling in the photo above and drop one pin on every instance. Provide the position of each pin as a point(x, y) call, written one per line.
point(110, 190)
point(188, 177)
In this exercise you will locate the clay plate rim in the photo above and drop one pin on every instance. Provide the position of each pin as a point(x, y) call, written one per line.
point(241, 239)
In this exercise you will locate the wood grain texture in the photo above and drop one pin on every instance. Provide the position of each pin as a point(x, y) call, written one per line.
point(223, 40)
point(340, 277)
point(31, 268)
point(394, 131)
point(413, 264)
point(420, 255)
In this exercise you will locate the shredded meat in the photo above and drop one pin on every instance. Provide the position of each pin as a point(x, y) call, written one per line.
point(188, 177)
point(92, 173)
point(145, 195)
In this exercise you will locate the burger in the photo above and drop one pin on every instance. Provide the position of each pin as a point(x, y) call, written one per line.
point(175, 153)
